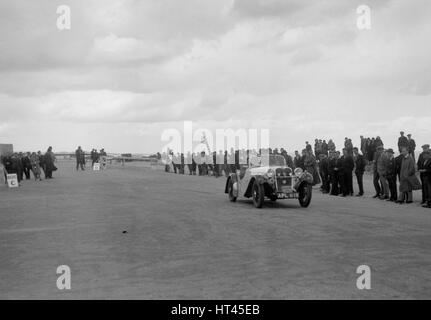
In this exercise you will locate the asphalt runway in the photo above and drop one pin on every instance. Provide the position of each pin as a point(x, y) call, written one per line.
point(135, 232)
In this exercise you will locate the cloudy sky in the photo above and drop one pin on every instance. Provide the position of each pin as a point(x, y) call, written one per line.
point(127, 70)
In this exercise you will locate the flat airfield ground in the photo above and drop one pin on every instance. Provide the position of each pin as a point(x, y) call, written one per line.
point(135, 232)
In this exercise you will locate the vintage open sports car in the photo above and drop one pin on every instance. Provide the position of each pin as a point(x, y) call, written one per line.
point(273, 180)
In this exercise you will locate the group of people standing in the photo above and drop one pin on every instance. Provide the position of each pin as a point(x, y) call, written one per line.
point(369, 147)
point(215, 164)
point(332, 168)
point(95, 156)
point(23, 164)
point(388, 171)
point(394, 177)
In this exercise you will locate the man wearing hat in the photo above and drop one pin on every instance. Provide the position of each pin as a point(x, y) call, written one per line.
point(391, 175)
point(421, 160)
point(412, 146)
point(403, 141)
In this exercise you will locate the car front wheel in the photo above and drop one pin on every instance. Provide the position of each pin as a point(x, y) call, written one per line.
point(258, 195)
point(230, 192)
point(305, 192)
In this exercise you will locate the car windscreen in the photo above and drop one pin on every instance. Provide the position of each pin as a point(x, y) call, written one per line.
point(273, 161)
point(277, 161)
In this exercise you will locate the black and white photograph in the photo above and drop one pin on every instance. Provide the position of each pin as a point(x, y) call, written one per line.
point(214, 150)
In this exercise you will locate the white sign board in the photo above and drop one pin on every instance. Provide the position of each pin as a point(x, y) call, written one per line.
point(12, 180)
point(96, 166)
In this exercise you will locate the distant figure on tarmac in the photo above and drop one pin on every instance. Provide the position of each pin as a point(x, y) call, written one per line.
point(49, 163)
point(35, 166)
point(102, 157)
point(42, 162)
point(94, 157)
point(80, 159)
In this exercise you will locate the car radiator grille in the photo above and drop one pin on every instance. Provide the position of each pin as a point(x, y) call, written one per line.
point(284, 184)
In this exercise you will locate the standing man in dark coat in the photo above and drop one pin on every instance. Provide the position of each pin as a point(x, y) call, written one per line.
point(421, 160)
point(298, 160)
point(333, 173)
point(359, 170)
point(80, 158)
point(398, 162)
point(391, 175)
point(94, 157)
point(49, 163)
point(26, 165)
point(308, 147)
point(324, 173)
point(341, 177)
point(378, 142)
point(348, 166)
point(426, 177)
point(325, 147)
point(20, 166)
point(412, 146)
point(16, 166)
point(408, 179)
point(349, 147)
point(303, 156)
point(376, 178)
point(403, 141)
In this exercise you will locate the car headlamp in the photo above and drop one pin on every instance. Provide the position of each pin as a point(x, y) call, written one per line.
point(298, 171)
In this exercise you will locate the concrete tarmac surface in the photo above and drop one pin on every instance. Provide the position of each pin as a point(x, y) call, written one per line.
point(136, 232)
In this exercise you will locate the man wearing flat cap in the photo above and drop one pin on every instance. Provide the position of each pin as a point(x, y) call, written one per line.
point(421, 167)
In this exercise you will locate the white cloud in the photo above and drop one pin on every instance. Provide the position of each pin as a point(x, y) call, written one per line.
point(300, 68)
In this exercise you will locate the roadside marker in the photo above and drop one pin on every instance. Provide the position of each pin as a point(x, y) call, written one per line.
point(12, 180)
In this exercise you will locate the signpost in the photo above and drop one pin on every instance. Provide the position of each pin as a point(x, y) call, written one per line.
point(12, 180)
point(7, 149)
